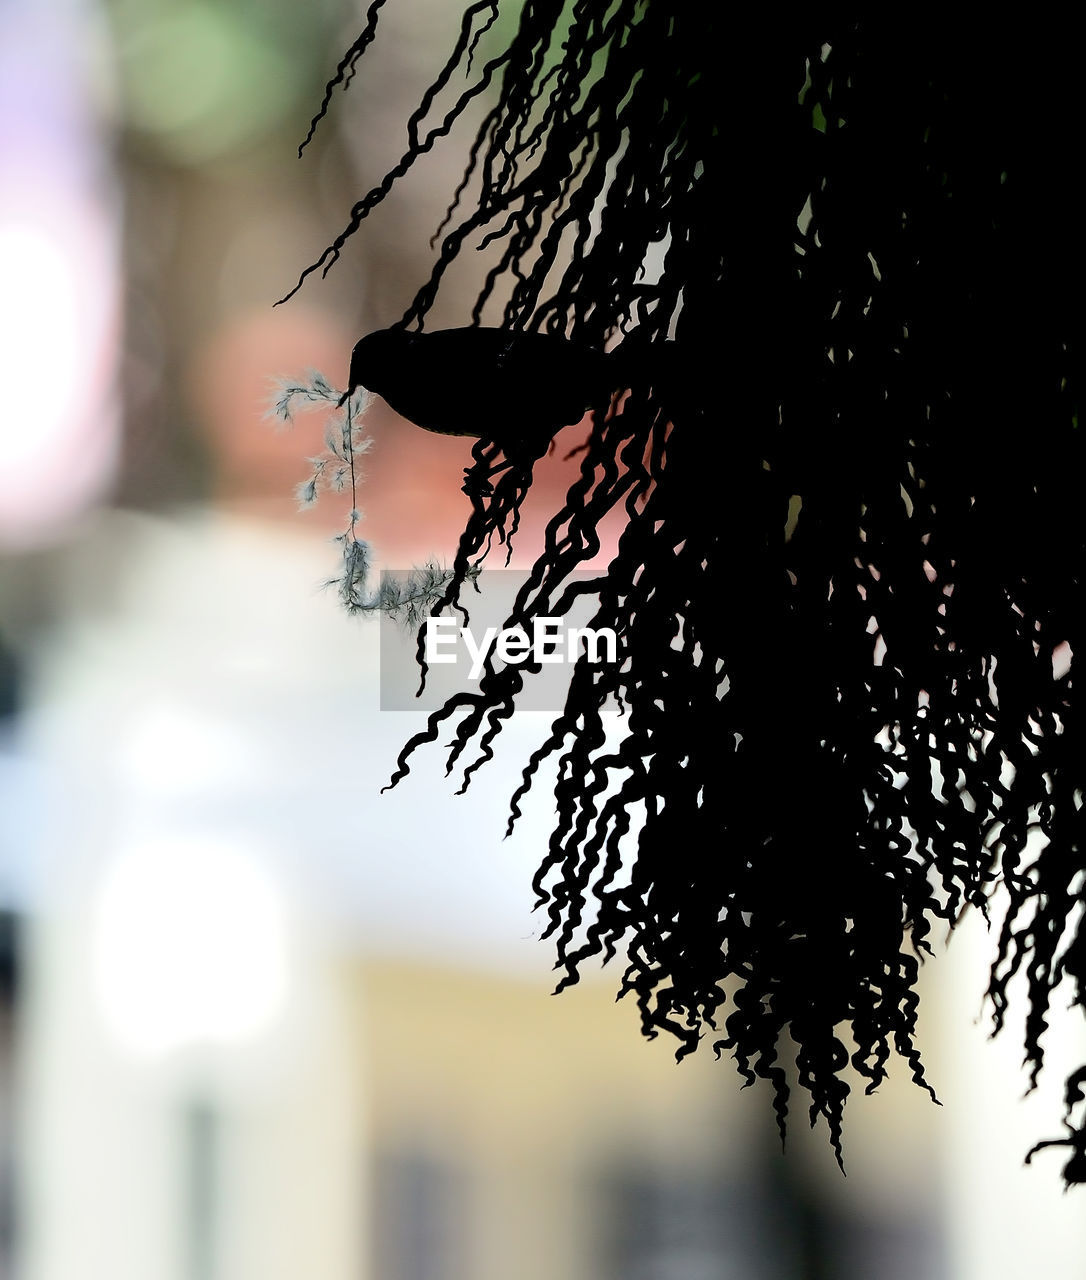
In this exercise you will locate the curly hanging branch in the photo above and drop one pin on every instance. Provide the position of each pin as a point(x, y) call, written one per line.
point(843, 256)
point(345, 71)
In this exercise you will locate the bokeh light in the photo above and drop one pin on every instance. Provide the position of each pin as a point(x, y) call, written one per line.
point(191, 947)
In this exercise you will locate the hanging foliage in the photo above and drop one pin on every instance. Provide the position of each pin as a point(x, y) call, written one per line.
point(840, 256)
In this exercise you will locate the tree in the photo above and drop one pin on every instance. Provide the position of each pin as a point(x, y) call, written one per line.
point(849, 590)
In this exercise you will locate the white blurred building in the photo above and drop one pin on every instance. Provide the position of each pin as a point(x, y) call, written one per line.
point(275, 1023)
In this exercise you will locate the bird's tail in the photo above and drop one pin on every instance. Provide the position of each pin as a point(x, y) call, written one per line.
point(660, 367)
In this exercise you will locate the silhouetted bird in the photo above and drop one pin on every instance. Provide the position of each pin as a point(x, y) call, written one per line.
point(515, 389)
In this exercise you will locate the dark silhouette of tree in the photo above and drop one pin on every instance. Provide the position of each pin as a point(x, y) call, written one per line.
point(849, 590)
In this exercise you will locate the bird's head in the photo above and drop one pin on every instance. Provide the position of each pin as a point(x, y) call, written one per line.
point(377, 359)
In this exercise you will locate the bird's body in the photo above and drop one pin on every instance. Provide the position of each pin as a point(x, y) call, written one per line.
point(516, 389)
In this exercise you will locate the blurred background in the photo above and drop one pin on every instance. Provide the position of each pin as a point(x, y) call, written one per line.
point(256, 1019)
